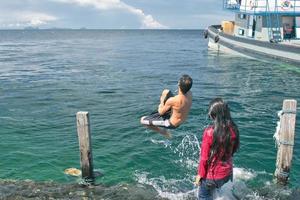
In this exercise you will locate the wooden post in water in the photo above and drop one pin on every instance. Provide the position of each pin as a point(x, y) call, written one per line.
point(286, 140)
point(85, 148)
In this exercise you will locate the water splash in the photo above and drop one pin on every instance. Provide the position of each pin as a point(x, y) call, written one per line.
point(166, 143)
point(188, 151)
point(182, 189)
point(243, 174)
point(167, 188)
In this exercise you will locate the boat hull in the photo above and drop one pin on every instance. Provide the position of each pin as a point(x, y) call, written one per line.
point(252, 48)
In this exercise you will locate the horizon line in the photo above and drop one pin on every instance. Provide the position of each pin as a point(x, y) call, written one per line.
point(54, 28)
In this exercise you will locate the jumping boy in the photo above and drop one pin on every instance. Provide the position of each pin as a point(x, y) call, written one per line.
point(179, 106)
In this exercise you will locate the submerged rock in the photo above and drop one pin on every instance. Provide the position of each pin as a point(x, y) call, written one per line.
point(25, 190)
point(10, 189)
point(295, 194)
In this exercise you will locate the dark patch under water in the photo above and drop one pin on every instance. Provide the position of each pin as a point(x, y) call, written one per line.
point(13, 189)
point(10, 189)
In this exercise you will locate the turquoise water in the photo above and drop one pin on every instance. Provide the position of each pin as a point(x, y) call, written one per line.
point(47, 76)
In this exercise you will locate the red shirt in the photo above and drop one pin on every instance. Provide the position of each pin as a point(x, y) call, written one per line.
point(220, 169)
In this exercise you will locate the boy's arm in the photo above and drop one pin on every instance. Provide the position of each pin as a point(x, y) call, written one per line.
point(162, 109)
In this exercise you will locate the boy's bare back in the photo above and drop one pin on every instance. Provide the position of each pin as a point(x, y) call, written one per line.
point(180, 106)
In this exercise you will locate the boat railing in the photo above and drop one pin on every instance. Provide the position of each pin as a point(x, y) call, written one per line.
point(215, 28)
point(231, 4)
point(263, 7)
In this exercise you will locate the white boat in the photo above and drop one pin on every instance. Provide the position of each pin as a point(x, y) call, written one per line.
point(263, 29)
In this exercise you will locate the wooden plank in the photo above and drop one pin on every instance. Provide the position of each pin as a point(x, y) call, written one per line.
point(85, 148)
point(286, 140)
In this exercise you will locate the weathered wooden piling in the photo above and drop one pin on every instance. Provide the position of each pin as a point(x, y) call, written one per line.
point(85, 148)
point(285, 141)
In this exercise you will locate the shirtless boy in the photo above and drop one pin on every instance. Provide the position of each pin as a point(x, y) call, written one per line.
point(179, 105)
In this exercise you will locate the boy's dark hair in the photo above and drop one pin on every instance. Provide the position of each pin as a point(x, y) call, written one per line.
point(185, 83)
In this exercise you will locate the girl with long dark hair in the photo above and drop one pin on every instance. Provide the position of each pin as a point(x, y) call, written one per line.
point(219, 142)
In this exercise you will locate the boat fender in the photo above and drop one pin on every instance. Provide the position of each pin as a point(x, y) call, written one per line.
point(205, 34)
point(217, 38)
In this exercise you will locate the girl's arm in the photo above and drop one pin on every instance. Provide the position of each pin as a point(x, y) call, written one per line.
point(205, 151)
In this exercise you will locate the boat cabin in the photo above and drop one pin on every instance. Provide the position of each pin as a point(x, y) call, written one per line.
point(266, 20)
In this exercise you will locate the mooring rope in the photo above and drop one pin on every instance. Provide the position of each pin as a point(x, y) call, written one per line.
point(276, 134)
point(279, 142)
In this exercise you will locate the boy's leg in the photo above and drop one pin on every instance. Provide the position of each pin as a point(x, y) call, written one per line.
point(148, 122)
point(161, 131)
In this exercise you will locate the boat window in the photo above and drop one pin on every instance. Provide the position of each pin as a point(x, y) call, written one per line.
point(242, 16)
point(241, 31)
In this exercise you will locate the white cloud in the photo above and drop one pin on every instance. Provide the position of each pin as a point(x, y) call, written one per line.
point(23, 19)
point(147, 20)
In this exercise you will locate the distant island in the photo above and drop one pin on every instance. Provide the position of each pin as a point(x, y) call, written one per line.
point(31, 28)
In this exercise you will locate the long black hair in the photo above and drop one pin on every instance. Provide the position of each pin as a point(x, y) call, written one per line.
point(222, 147)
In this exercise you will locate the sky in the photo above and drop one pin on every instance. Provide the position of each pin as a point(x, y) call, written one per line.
point(112, 14)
